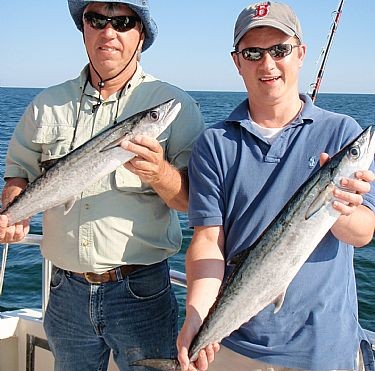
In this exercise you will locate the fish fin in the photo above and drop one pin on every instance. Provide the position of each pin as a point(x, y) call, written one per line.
point(279, 302)
point(115, 143)
point(236, 259)
point(159, 364)
point(46, 165)
point(320, 201)
point(69, 204)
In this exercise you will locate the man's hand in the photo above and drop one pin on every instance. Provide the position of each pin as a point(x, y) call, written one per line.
point(350, 195)
point(18, 231)
point(354, 189)
point(149, 163)
point(205, 356)
point(13, 233)
point(188, 331)
point(151, 167)
point(356, 224)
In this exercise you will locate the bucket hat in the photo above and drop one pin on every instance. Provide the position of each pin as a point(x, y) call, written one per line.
point(267, 13)
point(141, 7)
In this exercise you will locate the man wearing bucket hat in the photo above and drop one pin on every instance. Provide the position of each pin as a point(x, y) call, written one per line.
point(110, 286)
point(242, 171)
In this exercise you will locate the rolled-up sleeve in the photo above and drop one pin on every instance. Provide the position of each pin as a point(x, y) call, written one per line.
point(23, 156)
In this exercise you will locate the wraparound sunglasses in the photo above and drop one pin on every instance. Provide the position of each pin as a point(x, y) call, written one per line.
point(275, 51)
point(120, 23)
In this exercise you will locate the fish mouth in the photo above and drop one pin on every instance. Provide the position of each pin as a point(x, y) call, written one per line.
point(368, 140)
point(173, 110)
point(372, 132)
point(371, 146)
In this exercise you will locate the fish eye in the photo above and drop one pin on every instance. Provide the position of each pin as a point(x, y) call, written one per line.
point(154, 115)
point(354, 152)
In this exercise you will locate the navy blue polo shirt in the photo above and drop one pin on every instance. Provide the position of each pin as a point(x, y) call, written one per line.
point(240, 181)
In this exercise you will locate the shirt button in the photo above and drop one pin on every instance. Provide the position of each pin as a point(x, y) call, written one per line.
point(85, 243)
point(87, 206)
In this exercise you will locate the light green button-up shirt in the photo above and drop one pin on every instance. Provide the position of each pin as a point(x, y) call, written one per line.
point(119, 220)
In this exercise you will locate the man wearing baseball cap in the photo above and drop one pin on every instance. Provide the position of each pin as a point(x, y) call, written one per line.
point(110, 286)
point(242, 172)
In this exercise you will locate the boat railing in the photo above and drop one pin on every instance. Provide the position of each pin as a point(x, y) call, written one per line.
point(177, 278)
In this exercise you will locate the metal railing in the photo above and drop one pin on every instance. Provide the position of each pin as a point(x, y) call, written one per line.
point(177, 278)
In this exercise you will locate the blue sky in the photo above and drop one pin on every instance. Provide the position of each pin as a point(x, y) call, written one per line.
point(42, 47)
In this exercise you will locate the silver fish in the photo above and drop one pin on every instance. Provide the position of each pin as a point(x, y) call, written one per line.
point(70, 175)
point(290, 238)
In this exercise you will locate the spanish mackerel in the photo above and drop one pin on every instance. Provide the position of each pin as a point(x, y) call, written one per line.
point(286, 243)
point(70, 175)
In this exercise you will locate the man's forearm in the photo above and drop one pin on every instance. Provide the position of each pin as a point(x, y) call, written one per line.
point(13, 187)
point(173, 187)
point(356, 229)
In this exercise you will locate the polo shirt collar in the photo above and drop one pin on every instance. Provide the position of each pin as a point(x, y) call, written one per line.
point(309, 110)
point(240, 114)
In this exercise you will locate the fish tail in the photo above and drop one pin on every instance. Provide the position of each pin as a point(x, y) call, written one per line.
point(159, 364)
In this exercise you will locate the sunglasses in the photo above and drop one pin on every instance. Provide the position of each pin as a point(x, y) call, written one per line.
point(120, 23)
point(275, 51)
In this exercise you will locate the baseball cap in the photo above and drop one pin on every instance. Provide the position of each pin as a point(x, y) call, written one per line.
point(267, 13)
point(141, 7)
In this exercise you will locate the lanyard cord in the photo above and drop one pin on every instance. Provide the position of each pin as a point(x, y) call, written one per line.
point(78, 115)
point(93, 111)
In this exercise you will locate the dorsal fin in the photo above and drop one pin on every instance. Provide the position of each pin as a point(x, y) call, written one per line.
point(45, 165)
point(239, 257)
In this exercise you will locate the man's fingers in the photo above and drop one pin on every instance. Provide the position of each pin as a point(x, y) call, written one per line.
point(3, 227)
point(324, 157)
point(13, 233)
point(210, 353)
point(183, 359)
point(365, 175)
point(202, 362)
point(142, 145)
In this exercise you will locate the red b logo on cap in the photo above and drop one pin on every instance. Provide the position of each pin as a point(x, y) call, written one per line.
point(262, 10)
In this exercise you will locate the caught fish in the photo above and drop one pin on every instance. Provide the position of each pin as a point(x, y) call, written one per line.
point(290, 238)
point(70, 175)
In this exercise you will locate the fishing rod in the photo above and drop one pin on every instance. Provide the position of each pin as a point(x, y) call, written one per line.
point(325, 52)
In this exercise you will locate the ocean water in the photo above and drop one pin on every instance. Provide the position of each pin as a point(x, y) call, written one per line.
point(23, 280)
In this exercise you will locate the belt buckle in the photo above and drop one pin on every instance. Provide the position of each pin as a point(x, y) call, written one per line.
point(89, 276)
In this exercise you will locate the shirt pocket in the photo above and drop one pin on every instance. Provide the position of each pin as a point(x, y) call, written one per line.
point(126, 181)
point(54, 140)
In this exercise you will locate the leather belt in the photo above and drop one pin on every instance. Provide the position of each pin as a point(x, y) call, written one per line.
point(113, 275)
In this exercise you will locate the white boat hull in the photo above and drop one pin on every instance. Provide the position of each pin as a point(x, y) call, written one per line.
point(22, 342)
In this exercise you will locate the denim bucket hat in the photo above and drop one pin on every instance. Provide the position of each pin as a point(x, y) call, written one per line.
point(141, 7)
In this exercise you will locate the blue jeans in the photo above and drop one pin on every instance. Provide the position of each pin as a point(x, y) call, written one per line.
point(136, 318)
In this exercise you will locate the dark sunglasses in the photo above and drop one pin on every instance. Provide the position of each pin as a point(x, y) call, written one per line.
point(120, 23)
point(275, 51)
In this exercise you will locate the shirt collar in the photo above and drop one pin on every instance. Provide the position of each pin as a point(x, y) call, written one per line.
point(309, 110)
point(241, 113)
